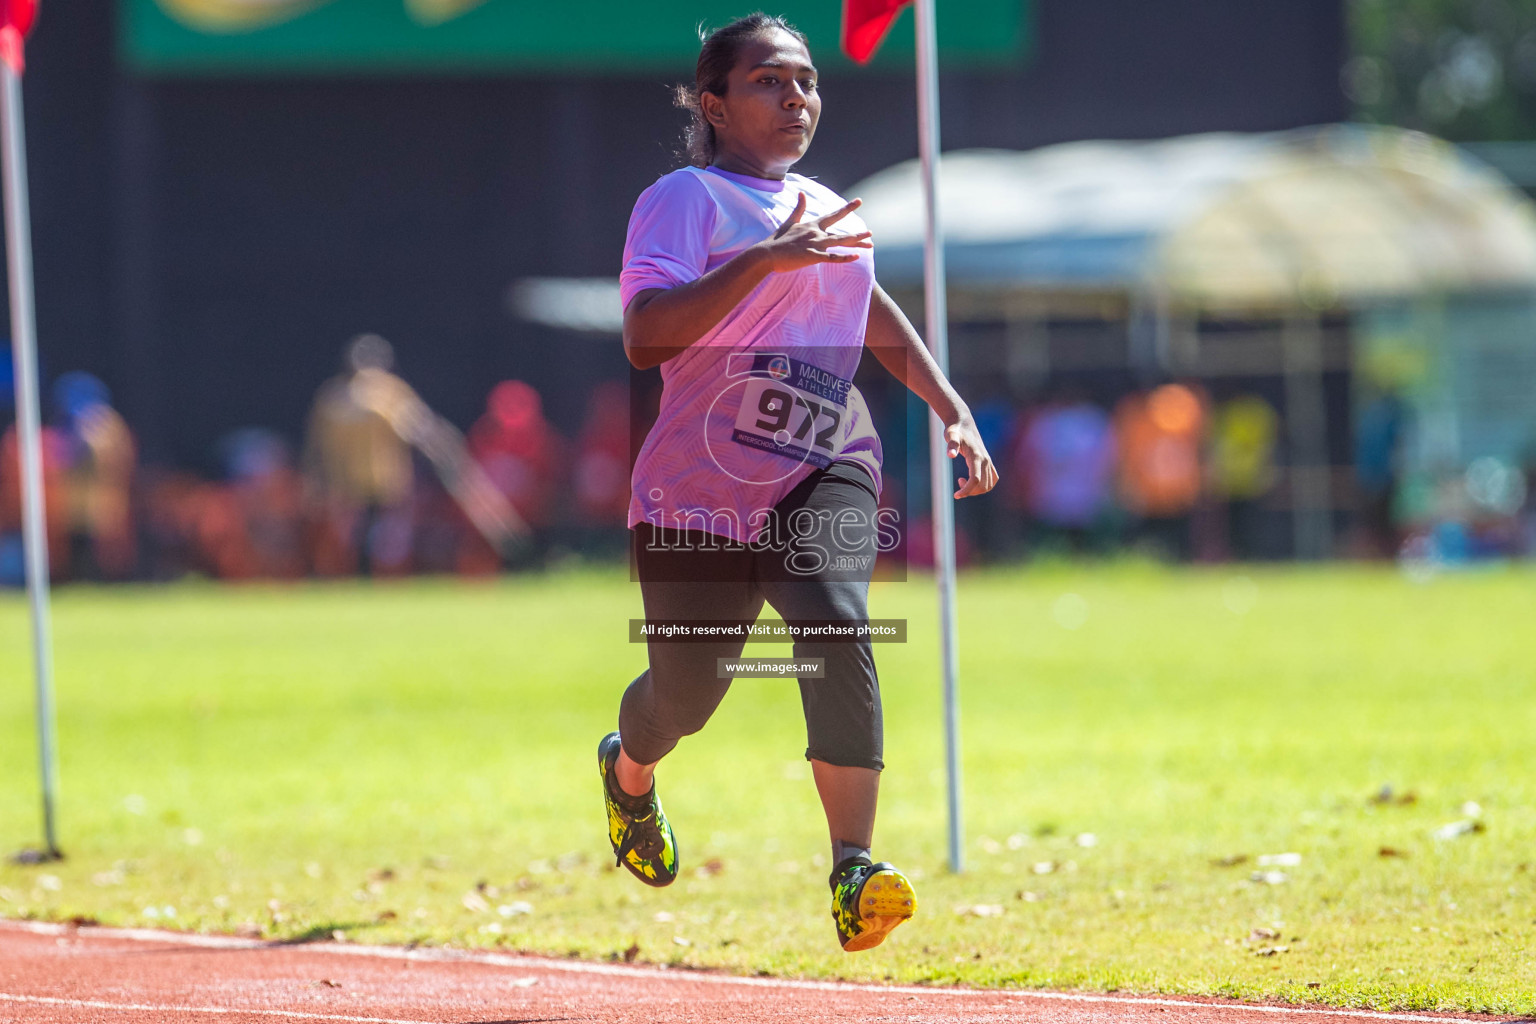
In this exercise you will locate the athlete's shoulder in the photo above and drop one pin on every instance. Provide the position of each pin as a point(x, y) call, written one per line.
point(684, 186)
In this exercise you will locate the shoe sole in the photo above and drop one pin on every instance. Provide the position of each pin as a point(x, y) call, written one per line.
point(885, 901)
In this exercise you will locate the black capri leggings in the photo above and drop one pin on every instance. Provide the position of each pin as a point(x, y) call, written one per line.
point(813, 565)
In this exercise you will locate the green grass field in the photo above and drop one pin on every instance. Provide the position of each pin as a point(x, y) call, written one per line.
point(414, 762)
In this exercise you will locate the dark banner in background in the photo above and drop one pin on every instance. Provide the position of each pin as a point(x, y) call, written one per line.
point(508, 36)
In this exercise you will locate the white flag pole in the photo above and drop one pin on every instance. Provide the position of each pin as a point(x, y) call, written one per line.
point(18, 251)
point(942, 477)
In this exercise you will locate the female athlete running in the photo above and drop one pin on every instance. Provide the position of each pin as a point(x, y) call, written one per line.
point(753, 289)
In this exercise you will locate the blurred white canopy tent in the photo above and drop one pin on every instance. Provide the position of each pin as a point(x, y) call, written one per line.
point(1415, 241)
point(1318, 217)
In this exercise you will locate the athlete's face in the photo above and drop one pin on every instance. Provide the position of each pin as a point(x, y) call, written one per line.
point(765, 120)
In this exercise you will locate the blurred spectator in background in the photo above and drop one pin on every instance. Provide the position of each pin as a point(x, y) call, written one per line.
point(445, 539)
point(88, 464)
point(357, 467)
point(524, 459)
point(167, 524)
point(1379, 433)
point(1063, 457)
point(268, 493)
point(1159, 436)
point(1244, 433)
point(600, 479)
point(211, 516)
point(519, 450)
point(56, 510)
point(100, 455)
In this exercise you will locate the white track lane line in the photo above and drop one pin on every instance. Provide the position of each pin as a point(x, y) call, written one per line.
point(530, 962)
point(94, 1004)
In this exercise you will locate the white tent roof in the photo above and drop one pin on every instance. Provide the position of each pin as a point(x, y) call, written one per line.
point(1341, 213)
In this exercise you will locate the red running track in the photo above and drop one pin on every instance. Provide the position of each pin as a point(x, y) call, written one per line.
point(64, 974)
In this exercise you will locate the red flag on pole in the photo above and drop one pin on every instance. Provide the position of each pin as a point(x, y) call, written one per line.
point(865, 23)
point(19, 14)
point(16, 18)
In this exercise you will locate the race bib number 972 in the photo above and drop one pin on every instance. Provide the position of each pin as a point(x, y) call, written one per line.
point(793, 409)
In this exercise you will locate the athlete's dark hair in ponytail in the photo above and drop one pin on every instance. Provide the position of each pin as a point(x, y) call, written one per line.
point(717, 57)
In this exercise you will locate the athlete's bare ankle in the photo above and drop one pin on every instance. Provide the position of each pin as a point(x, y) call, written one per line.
point(634, 779)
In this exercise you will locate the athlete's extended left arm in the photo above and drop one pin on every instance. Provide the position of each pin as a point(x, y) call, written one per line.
point(895, 342)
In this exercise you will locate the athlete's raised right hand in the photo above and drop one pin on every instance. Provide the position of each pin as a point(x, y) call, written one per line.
point(800, 244)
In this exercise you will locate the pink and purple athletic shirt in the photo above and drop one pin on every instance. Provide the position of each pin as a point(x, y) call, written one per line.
point(766, 397)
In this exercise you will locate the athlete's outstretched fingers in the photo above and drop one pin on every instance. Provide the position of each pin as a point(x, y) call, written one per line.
point(861, 241)
point(837, 215)
point(794, 218)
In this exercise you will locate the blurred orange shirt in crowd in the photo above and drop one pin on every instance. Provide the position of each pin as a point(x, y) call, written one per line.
point(1159, 435)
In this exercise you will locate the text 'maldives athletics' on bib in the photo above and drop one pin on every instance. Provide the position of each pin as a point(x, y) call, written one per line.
point(767, 396)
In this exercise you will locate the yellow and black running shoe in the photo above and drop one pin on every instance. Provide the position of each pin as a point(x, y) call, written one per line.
point(868, 902)
point(638, 829)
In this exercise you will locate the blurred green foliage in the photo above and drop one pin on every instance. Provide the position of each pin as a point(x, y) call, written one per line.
point(1461, 69)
